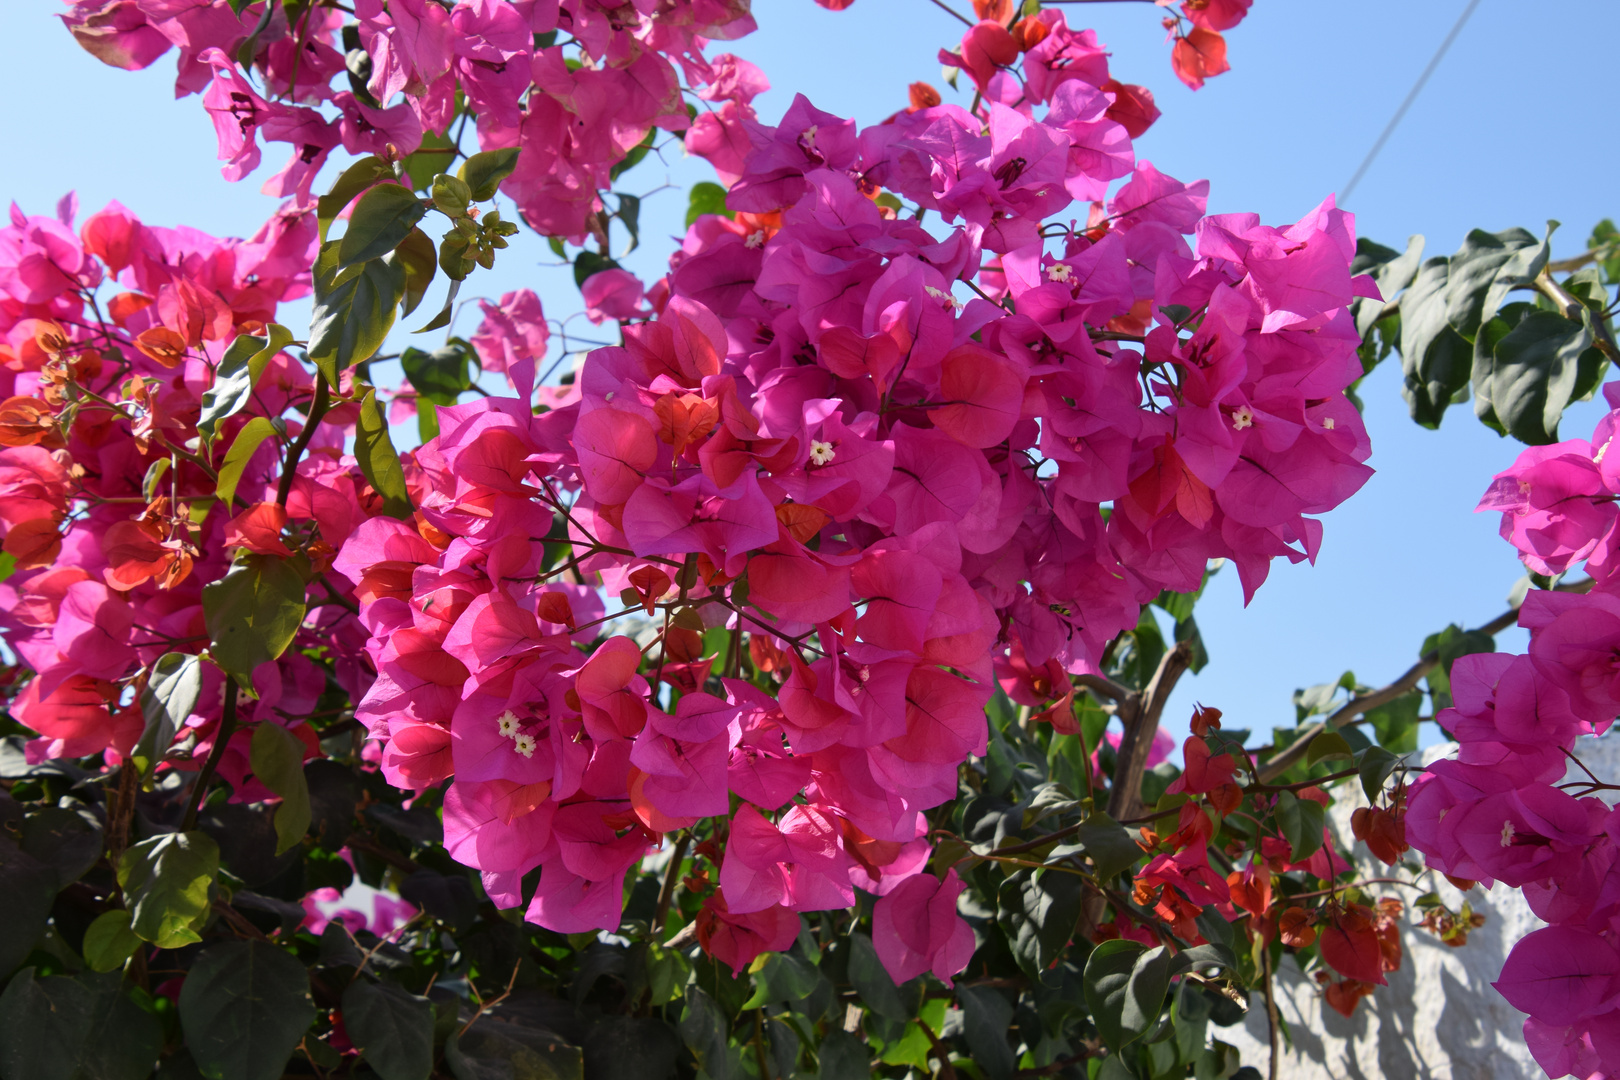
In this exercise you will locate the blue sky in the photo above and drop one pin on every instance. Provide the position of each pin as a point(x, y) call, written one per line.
point(1512, 130)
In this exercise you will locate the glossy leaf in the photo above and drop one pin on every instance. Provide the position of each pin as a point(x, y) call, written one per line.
point(1107, 982)
point(439, 376)
point(1038, 912)
point(252, 614)
point(243, 447)
point(169, 696)
point(706, 197)
point(354, 310)
point(27, 890)
point(277, 759)
point(382, 218)
point(484, 171)
point(1533, 372)
point(986, 1019)
point(355, 179)
point(1108, 844)
point(419, 259)
point(110, 941)
point(379, 461)
point(1375, 764)
point(1328, 745)
point(245, 1006)
point(1437, 360)
point(165, 882)
point(1301, 822)
point(44, 1027)
point(238, 373)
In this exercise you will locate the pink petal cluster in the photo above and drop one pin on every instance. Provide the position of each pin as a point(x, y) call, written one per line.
point(1502, 809)
point(897, 496)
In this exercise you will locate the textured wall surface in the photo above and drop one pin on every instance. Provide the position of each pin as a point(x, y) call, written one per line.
point(1438, 1019)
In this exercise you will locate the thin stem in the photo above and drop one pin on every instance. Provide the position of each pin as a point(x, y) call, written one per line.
point(317, 410)
point(671, 876)
point(1271, 1010)
point(222, 736)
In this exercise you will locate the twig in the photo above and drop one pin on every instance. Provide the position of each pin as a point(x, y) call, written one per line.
point(222, 736)
point(485, 1006)
point(1271, 1011)
point(317, 409)
point(671, 876)
point(1140, 713)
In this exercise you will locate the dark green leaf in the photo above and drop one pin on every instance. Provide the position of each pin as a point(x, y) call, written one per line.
point(1329, 744)
point(844, 1057)
point(252, 614)
point(707, 197)
point(419, 259)
point(634, 1046)
point(630, 214)
point(354, 310)
point(245, 1006)
point(44, 1027)
point(429, 160)
point(484, 172)
point(1484, 269)
point(587, 263)
point(109, 941)
point(1108, 844)
point(633, 158)
point(1145, 992)
point(705, 1031)
point(382, 218)
point(986, 1019)
point(1186, 631)
point(442, 319)
point(872, 982)
point(165, 881)
point(439, 376)
point(243, 447)
point(124, 1039)
point(170, 695)
point(277, 758)
point(1107, 982)
point(355, 179)
point(1396, 722)
point(393, 1029)
point(379, 461)
point(1436, 359)
point(1300, 821)
point(1038, 911)
point(238, 372)
point(63, 840)
point(27, 890)
point(1375, 764)
point(1534, 371)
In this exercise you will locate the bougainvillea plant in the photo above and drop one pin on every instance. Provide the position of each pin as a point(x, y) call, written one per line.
point(775, 694)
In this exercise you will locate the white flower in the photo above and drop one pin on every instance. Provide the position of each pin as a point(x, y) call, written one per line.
point(1060, 271)
point(1507, 834)
point(508, 722)
point(942, 296)
point(821, 452)
point(1327, 424)
point(809, 137)
point(524, 744)
point(1597, 458)
point(1242, 418)
point(755, 239)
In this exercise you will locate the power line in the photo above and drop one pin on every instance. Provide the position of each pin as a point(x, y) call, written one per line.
point(1411, 96)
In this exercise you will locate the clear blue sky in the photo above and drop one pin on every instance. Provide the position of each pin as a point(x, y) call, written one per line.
point(1512, 130)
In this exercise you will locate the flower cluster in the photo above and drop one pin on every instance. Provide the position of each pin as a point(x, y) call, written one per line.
point(112, 527)
point(856, 471)
point(1501, 810)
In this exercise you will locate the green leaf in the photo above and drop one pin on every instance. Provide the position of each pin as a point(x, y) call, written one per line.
point(587, 263)
point(1146, 990)
point(1039, 911)
point(1436, 360)
point(110, 941)
point(1485, 268)
point(1106, 982)
point(392, 1028)
point(124, 1038)
point(630, 214)
point(252, 614)
point(44, 1027)
point(355, 179)
point(1534, 369)
point(1375, 764)
point(429, 159)
point(1108, 844)
point(63, 839)
point(354, 310)
point(170, 695)
point(277, 758)
point(1329, 744)
point(165, 882)
point(442, 319)
point(633, 158)
point(238, 373)
point(705, 1031)
point(844, 1057)
point(707, 197)
point(379, 461)
point(245, 1006)
point(27, 890)
point(243, 447)
point(484, 172)
point(451, 195)
point(1186, 632)
point(986, 1019)
point(439, 376)
point(1395, 723)
point(417, 256)
point(871, 980)
point(1300, 821)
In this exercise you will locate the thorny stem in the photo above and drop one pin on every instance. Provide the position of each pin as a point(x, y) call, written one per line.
point(222, 736)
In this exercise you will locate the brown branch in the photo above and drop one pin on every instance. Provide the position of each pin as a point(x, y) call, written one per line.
point(1271, 1011)
point(222, 736)
point(1140, 713)
point(1571, 308)
point(671, 876)
point(1104, 686)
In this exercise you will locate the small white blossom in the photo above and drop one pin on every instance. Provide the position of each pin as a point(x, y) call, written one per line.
point(1597, 458)
point(755, 239)
point(821, 452)
point(524, 744)
point(1060, 271)
point(1242, 418)
point(942, 296)
point(508, 722)
point(1327, 425)
point(1507, 834)
point(809, 137)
